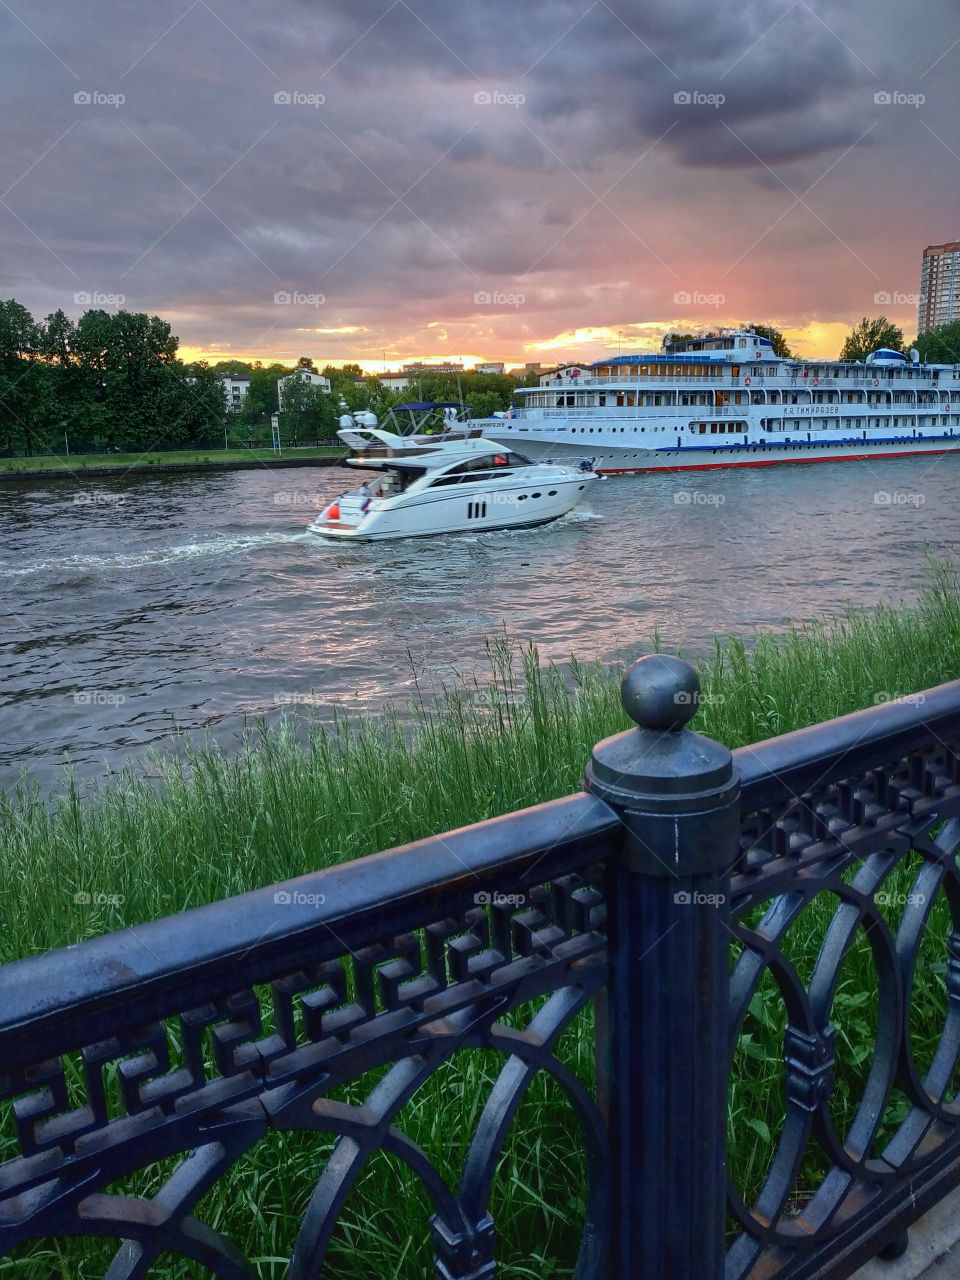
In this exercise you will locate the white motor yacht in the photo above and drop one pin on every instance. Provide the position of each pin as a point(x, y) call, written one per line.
point(447, 486)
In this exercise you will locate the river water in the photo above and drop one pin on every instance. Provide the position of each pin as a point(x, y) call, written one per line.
point(137, 608)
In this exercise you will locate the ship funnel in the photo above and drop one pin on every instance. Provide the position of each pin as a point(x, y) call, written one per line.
point(914, 355)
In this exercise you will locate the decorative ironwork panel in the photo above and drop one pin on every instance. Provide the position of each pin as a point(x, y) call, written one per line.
point(857, 873)
point(206, 1081)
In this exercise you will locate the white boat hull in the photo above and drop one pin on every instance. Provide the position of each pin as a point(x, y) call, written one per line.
point(520, 505)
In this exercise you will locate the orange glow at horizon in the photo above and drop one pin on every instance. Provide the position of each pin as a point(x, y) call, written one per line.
point(814, 339)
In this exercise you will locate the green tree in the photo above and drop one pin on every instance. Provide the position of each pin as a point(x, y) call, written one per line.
point(192, 407)
point(106, 381)
point(19, 347)
point(940, 345)
point(343, 384)
point(869, 335)
point(309, 413)
point(261, 401)
point(483, 404)
point(125, 361)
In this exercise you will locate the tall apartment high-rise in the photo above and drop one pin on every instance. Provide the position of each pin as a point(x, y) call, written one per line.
point(939, 286)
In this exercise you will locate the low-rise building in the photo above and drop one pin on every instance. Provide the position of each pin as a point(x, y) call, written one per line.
point(236, 388)
point(301, 375)
point(490, 366)
point(390, 381)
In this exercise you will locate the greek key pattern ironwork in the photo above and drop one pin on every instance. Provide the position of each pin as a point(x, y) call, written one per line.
point(207, 1082)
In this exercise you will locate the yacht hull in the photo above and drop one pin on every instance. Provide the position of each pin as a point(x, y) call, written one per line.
point(532, 501)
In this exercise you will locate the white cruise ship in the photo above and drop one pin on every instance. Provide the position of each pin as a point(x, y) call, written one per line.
point(728, 400)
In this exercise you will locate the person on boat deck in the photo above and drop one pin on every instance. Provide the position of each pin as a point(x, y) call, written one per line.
point(365, 496)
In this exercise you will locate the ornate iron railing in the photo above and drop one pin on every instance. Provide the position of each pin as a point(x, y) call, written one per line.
point(189, 1039)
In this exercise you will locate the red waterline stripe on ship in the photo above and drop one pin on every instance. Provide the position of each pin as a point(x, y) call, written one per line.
point(776, 462)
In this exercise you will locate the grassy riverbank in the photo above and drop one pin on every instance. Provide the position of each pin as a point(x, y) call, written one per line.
point(214, 825)
point(134, 462)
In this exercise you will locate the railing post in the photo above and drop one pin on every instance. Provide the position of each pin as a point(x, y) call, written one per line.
point(665, 1056)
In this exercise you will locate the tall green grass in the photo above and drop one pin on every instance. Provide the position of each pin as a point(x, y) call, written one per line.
point(291, 800)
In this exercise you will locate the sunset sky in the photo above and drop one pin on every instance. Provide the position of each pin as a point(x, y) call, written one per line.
point(439, 179)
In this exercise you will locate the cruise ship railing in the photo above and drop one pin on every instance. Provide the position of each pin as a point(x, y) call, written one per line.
point(768, 942)
point(719, 378)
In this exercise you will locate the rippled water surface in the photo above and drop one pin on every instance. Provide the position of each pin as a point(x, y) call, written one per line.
point(133, 608)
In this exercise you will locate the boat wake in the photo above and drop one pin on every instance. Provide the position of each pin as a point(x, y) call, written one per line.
point(219, 545)
point(579, 517)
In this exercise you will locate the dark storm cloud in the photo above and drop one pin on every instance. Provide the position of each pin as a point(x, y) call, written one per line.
point(458, 148)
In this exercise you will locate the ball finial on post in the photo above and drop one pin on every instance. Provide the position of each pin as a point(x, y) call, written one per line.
point(660, 693)
point(677, 789)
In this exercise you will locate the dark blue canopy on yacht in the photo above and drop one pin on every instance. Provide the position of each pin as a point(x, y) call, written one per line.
point(428, 404)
